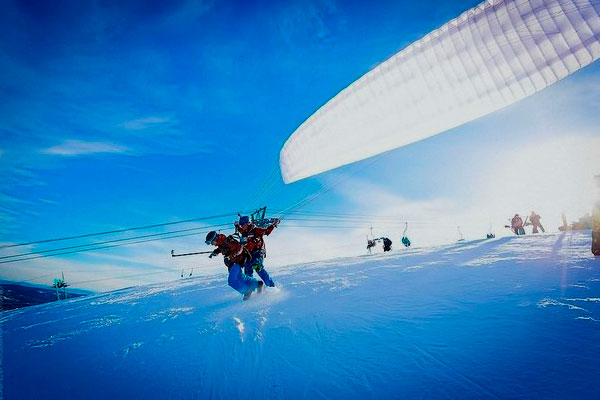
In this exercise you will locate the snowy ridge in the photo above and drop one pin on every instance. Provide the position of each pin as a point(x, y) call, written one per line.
point(505, 318)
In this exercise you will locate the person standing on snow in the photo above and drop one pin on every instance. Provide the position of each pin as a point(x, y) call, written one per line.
point(516, 224)
point(534, 219)
point(252, 238)
point(235, 257)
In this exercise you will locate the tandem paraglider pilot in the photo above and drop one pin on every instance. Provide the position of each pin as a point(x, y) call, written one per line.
point(235, 257)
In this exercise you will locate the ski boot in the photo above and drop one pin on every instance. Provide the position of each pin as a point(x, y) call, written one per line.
point(261, 287)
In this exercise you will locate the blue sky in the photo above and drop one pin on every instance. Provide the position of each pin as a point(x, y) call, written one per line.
point(117, 115)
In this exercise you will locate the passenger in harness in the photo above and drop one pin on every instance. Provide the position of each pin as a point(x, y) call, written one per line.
point(252, 239)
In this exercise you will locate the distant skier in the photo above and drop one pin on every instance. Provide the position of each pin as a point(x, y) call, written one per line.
point(252, 239)
point(516, 224)
point(534, 219)
point(235, 256)
point(387, 244)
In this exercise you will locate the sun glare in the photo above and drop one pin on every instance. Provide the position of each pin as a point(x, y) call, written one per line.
point(549, 178)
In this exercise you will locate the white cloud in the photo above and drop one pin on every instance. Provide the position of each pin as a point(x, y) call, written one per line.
point(143, 123)
point(430, 221)
point(549, 178)
point(374, 205)
point(78, 147)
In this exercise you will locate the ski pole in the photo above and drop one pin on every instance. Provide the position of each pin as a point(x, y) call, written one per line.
point(188, 254)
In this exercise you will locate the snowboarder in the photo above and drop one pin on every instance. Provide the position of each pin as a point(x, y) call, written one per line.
point(534, 219)
point(235, 257)
point(516, 224)
point(252, 239)
point(387, 244)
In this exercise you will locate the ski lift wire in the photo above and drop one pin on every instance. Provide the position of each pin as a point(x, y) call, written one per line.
point(111, 241)
point(97, 248)
point(118, 230)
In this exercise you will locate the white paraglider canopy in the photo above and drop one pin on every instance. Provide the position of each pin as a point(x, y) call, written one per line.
point(489, 57)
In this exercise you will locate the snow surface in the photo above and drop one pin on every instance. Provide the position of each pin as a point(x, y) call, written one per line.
point(508, 318)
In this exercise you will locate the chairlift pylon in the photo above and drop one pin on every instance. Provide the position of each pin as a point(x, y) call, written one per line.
point(59, 283)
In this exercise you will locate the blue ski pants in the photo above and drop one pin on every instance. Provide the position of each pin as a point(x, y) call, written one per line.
point(256, 264)
point(240, 281)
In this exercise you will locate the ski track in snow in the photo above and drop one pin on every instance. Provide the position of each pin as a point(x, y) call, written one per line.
point(546, 302)
point(85, 326)
point(593, 299)
point(170, 313)
point(415, 323)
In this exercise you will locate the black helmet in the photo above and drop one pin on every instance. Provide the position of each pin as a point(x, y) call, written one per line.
point(210, 237)
point(244, 219)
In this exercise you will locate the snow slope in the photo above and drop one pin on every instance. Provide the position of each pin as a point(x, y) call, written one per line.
point(509, 318)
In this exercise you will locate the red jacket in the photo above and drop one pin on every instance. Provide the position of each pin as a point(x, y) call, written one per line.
point(516, 222)
point(232, 250)
point(254, 236)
